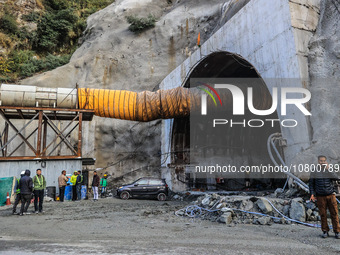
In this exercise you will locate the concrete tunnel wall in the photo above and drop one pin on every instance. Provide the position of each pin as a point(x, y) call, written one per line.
point(262, 33)
point(258, 32)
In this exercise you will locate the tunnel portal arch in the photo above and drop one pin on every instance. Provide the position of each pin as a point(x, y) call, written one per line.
point(247, 145)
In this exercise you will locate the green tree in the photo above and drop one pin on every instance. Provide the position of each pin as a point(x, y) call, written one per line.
point(53, 30)
point(8, 24)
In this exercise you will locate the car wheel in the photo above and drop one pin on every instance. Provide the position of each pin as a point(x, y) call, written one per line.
point(125, 195)
point(161, 197)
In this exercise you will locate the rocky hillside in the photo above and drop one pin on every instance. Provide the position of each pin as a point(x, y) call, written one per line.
point(40, 35)
point(113, 57)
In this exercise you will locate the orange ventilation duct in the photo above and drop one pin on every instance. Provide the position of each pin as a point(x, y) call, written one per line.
point(161, 104)
point(142, 106)
point(122, 104)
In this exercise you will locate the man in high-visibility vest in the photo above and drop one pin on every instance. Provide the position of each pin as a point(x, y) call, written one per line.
point(18, 197)
point(103, 184)
point(74, 186)
point(79, 183)
point(39, 183)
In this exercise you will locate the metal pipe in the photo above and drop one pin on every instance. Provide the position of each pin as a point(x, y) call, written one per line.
point(122, 104)
point(297, 180)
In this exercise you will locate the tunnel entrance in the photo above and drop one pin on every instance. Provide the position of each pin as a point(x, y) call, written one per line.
point(245, 146)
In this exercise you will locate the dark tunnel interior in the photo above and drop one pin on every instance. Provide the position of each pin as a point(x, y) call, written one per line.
point(246, 144)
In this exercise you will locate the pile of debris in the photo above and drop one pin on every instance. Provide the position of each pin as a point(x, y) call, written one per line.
point(252, 210)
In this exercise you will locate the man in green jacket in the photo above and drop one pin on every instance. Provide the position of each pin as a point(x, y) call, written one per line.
point(103, 184)
point(74, 185)
point(39, 183)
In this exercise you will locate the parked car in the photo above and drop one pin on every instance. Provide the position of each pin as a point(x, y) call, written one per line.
point(147, 186)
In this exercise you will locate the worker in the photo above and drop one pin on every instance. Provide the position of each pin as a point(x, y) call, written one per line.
point(26, 189)
point(103, 184)
point(39, 183)
point(74, 186)
point(62, 181)
point(17, 191)
point(322, 191)
point(79, 183)
point(95, 184)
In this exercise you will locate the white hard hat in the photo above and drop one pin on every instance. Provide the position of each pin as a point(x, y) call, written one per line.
point(22, 173)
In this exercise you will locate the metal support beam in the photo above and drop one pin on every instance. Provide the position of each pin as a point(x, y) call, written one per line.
point(20, 113)
point(39, 133)
point(60, 134)
point(5, 141)
point(80, 134)
point(46, 137)
point(18, 132)
point(61, 140)
point(12, 152)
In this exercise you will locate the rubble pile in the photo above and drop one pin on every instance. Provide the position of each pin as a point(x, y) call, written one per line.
point(251, 210)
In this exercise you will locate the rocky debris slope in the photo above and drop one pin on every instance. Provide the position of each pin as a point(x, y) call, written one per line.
point(252, 210)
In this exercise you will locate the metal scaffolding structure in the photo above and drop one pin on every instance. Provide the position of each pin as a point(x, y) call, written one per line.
point(46, 134)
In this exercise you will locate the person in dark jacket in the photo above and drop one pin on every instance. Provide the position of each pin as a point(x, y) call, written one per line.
point(322, 190)
point(95, 185)
point(18, 197)
point(79, 183)
point(26, 189)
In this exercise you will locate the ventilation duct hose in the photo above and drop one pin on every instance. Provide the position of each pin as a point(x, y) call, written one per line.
point(142, 106)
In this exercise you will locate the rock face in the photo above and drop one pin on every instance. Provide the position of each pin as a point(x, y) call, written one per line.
point(324, 63)
point(112, 57)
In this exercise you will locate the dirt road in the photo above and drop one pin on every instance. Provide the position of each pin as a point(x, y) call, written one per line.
point(135, 226)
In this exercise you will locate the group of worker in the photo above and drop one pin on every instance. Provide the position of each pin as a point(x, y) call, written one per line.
point(28, 188)
point(77, 181)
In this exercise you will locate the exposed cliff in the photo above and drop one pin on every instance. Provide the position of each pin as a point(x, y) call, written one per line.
point(111, 56)
point(324, 73)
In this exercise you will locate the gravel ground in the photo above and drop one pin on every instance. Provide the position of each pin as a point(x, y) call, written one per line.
point(114, 226)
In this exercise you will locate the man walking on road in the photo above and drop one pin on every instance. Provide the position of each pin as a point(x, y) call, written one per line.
point(18, 197)
point(62, 181)
point(322, 190)
point(79, 183)
point(39, 183)
point(95, 184)
point(26, 189)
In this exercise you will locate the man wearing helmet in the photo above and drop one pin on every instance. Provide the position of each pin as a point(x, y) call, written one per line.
point(103, 184)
